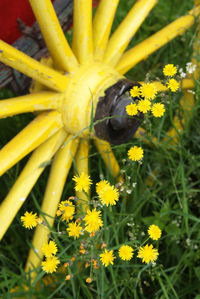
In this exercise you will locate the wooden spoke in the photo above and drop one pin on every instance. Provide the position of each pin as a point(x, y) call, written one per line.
point(32, 68)
point(126, 30)
point(156, 41)
point(38, 131)
point(102, 24)
point(45, 100)
point(56, 42)
point(59, 171)
point(27, 179)
point(107, 155)
point(81, 160)
point(82, 31)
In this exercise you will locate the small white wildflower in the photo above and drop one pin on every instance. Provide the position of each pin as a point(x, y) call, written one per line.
point(191, 91)
point(134, 184)
point(128, 191)
point(190, 68)
point(122, 189)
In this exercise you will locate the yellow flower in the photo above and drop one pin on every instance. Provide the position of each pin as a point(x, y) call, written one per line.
point(50, 264)
point(109, 195)
point(173, 85)
point(135, 91)
point(158, 110)
point(148, 91)
point(74, 230)
point(125, 252)
point(170, 70)
point(154, 232)
point(107, 257)
point(135, 153)
point(93, 221)
point(29, 220)
point(101, 185)
point(144, 106)
point(131, 109)
point(148, 254)
point(49, 249)
point(67, 208)
point(88, 280)
point(82, 182)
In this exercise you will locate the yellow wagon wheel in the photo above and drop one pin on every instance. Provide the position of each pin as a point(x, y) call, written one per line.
point(66, 94)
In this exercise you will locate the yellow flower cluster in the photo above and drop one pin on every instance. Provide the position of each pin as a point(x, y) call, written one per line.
point(51, 262)
point(144, 94)
point(169, 71)
point(108, 194)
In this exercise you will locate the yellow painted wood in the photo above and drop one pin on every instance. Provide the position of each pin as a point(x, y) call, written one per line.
point(108, 157)
point(102, 24)
point(126, 30)
point(82, 43)
point(27, 179)
point(56, 42)
point(38, 131)
point(44, 100)
point(81, 161)
point(32, 68)
point(156, 41)
point(57, 178)
point(184, 84)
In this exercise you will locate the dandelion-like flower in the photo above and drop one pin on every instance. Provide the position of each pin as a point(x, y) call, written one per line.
point(88, 280)
point(154, 232)
point(93, 221)
point(144, 106)
point(107, 257)
point(173, 85)
point(148, 91)
point(169, 70)
point(148, 254)
point(101, 185)
point(50, 264)
point(158, 110)
point(82, 182)
point(135, 91)
point(74, 230)
point(126, 252)
point(49, 249)
point(29, 220)
point(131, 109)
point(109, 195)
point(135, 153)
point(67, 208)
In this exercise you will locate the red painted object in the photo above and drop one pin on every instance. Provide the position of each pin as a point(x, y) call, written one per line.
point(10, 11)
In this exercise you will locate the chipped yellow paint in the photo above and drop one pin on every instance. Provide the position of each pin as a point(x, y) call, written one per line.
point(27, 179)
point(126, 30)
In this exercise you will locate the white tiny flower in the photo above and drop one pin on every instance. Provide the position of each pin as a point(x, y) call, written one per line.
point(128, 191)
point(190, 68)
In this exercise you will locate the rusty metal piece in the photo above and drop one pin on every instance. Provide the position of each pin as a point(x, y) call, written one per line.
point(116, 126)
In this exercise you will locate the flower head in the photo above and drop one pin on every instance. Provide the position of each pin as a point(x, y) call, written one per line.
point(148, 254)
point(101, 185)
point(50, 264)
point(148, 91)
point(67, 208)
point(131, 109)
point(29, 220)
point(135, 153)
point(169, 70)
point(173, 85)
point(158, 110)
point(109, 195)
point(135, 91)
point(125, 252)
point(154, 232)
point(49, 249)
point(82, 182)
point(74, 230)
point(144, 106)
point(93, 221)
point(107, 257)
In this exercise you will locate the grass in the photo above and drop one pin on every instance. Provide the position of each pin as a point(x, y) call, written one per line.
point(171, 201)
